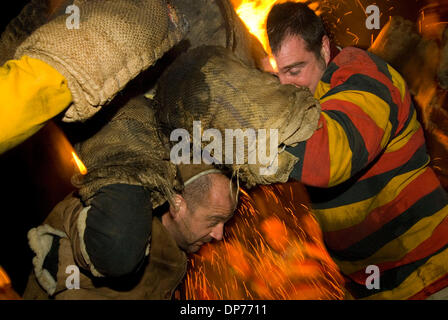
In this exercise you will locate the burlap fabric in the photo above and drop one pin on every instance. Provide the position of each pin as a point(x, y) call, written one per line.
point(33, 15)
point(215, 22)
point(211, 85)
point(128, 149)
point(116, 40)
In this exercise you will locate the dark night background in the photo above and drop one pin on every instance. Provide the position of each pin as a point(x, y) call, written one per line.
point(25, 189)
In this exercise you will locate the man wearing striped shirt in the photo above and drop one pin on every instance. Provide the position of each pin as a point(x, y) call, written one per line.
point(377, 200)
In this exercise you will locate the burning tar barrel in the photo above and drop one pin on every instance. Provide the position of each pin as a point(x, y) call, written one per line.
point(6, 290)
point(272, 249)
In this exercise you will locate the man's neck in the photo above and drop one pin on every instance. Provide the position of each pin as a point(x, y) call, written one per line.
point(167, 222)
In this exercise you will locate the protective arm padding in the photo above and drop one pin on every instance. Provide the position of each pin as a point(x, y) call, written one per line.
point(109, 237)
point(118, 228)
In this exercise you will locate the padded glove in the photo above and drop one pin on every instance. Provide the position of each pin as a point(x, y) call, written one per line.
point(115, 41)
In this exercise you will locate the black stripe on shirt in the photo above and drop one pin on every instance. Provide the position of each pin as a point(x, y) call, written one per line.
point(426, 206)
point(380, 64)
point(408, 120)
point(361, 82)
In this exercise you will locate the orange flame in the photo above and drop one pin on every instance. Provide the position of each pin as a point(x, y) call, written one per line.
point(81, 167)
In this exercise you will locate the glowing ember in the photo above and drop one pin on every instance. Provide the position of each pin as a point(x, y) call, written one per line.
point(272, 249)
point(81, 167)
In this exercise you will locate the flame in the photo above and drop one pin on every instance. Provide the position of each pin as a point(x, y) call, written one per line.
point(81, 167)
point(4, 279)
point(6, 290)
point(273, 249)
point(273, 63)
point(254, 14)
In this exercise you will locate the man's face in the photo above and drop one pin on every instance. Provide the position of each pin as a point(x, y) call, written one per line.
point(298, 66)
point(207, 221)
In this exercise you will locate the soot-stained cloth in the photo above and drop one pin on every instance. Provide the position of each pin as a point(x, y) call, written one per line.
point(218, 89)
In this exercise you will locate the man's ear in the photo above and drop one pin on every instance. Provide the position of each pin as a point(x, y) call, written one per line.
point(325, 51)
point(179, 206)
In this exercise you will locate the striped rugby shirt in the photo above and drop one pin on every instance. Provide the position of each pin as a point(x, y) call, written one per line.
point(371, 189)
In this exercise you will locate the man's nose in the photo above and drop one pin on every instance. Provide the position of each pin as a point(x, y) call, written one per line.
point(218, 232)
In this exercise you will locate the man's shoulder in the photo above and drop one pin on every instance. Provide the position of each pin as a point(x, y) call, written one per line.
point(347, 62)
point(352, 56)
